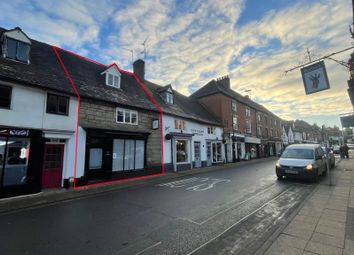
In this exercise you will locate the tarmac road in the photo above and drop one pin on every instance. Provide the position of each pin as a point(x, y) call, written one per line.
point(228, 211)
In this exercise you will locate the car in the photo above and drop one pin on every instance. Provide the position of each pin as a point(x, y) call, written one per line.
point(306, 161)
point(336, 149)
point(331, 158)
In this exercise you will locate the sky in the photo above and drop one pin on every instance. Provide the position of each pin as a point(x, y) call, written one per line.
point(189, 43)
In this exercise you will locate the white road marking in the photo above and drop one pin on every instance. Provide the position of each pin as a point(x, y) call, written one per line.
point(206, 183)
point(148, 248)
point(236, 223)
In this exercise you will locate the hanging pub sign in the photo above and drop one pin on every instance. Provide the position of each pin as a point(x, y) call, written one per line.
point(315, 77)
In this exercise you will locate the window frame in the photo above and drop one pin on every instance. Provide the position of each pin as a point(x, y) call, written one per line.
point(248, 123)
point(10, 97)
point(234, 106)
point(248, 111)
point(114, 76)
point(235, 125)
point(125, 111)
point(7, 39)
point(57, 104)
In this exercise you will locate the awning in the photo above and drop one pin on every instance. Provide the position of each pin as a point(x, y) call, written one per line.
point(252, 140)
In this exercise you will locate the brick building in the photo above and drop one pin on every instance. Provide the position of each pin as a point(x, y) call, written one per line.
point(250, 130)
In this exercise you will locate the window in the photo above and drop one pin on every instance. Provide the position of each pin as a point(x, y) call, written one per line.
point(211, 130)
point(271, 132)
point(112, 80)
point(217, 152)
point(234, 106)
point(169, 98)
point(182, 151)
point(127, 116)
point(180, 124)
point(5, 96)
point(235, 122)
point(57, 104)
point(259, 131)
point(17, 50)
point(248, 112)
point(259, 117)
point(248, 126)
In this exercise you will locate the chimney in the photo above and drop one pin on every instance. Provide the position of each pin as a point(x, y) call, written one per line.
point(224, 81)
point(139, 69)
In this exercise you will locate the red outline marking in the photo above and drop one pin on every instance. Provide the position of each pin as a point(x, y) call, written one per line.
point(55, 48)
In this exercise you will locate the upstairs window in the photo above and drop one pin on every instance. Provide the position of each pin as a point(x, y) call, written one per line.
point(169, 98)
point(259, 131)
point(113, 80)
point(211, 130)
point(248, 112)
point(5, 96)
point(57, 104)
point(17, 50)
point(258, 118)
point(127, 116)
point(234, 106)
point(234, 122)
point(248, 126)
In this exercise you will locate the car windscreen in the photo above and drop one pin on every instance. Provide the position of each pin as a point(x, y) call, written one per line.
point(298, 153)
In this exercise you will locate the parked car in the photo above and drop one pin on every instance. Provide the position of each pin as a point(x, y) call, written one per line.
point(336, 149)
point(331, 158)
point(302, 161)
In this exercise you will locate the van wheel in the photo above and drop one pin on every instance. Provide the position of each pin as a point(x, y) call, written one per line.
point(280, 177)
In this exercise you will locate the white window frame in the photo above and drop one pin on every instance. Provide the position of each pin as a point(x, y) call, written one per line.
point(211, 130)
point(234, 106)
point(115, 80)
point(234, 123)
point(125, 112)
point(248, 111)
point(169, 98)
point(188, 152)
point(248, 129)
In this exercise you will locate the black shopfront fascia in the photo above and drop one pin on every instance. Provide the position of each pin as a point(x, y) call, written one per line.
point(33, 181)
point(102, 138)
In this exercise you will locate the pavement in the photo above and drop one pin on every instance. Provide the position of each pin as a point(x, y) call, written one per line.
point(324, 224)
point(12, 204)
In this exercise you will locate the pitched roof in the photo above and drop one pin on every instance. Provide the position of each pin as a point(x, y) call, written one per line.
point(182, 106)
point(44, 71)
point(214, 87)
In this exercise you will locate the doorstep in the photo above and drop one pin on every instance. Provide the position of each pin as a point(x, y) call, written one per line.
point(52, 196)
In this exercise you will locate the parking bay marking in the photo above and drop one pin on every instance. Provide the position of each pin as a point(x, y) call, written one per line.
point(199, 183)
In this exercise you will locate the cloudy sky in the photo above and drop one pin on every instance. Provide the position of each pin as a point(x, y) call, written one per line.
point(192, 42)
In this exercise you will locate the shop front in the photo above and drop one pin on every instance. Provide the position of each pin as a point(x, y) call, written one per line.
point(112, 155)
point(252, 147)
point(21, 158)
point(238, 144)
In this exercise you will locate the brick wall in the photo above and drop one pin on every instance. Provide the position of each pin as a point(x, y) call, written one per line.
point(96, 114)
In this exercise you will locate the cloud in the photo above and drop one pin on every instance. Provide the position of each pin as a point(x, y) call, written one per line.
point(191, 42)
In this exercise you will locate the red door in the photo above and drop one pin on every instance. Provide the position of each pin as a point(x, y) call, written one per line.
point(52, 166)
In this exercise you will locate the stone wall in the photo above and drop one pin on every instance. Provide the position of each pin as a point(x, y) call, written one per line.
point(102, 115)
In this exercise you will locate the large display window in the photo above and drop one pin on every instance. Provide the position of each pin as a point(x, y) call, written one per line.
point(14, 153)
point(217, 151)
point(182, 152)
point(128, 154)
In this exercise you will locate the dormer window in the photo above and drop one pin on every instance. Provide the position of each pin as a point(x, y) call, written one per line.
point(113, 76)
point(16, 45)
point(169, 98)
point(167, 94)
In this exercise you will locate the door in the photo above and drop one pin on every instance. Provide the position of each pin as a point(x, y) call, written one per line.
point(197, 159)
point(208, 149)
point(52, 166)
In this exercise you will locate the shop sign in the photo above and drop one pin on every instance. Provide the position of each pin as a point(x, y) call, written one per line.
point(198, 132)
point(315, 77)
point(155, 124)
point(14, 132)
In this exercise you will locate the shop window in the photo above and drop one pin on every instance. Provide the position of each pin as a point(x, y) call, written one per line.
point(57, 104)
point(217, 152)
point(128, 154)
point(5, 96)
point(95, 161)
point(126, 116)
point(182, 151)
point(16, 161)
